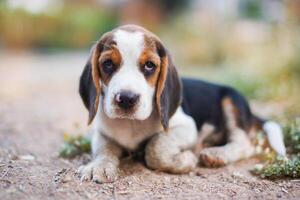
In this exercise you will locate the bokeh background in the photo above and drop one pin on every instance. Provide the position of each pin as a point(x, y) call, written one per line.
point(252, 45)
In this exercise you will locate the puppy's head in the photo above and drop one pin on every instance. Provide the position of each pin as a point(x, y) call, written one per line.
point(133, 72)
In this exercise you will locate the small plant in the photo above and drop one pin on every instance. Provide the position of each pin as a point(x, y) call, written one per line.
point(292, 136)
point(74, 146)
point(278, 166)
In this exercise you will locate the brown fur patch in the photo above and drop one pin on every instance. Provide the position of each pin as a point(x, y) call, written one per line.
point(114, 55)
point(150, 52)
point(105, 40)
point(96, 80)
point(161, 82)
point(226, 102)
point(151, 55)
point(230, 113)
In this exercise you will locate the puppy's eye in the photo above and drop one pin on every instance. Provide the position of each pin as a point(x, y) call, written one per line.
point(108, 66)
point(149, 67)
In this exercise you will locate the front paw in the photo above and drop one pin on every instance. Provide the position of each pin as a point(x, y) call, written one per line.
point(103, 171)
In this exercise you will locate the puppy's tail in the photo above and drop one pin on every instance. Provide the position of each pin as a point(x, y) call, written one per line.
point(274, 134)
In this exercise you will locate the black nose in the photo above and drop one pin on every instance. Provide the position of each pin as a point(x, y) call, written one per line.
point(126, 99)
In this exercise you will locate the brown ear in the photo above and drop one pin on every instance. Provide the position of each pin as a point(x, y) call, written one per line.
point(90, 80)
point(168, 92)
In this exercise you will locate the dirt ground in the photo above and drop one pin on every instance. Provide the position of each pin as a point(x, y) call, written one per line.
point(39, 102)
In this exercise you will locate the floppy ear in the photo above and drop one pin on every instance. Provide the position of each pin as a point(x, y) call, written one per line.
point(90, 80)
point(89, 86)
point(168, 92)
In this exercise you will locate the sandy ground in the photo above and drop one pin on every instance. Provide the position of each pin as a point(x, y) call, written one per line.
point(39, 102)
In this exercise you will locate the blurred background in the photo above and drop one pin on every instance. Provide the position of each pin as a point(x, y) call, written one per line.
point(252, 45)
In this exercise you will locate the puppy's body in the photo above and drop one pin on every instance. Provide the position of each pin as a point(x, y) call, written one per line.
point(208, 103)
point(132, 89)
point(203, 101)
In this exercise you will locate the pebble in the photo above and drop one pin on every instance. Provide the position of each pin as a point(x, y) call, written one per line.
point(26, 157)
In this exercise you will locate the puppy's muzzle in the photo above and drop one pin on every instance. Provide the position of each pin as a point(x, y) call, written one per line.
point(126, 99)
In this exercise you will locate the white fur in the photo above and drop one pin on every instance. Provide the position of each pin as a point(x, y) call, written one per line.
point(172, 151)
point(129, 77)
point(186, 124)
point(126, 132)
point(275, 137)
point(104, 166)
point(166, 151)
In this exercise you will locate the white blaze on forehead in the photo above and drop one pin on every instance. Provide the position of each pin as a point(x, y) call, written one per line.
point(130, 45)
point(129, 76)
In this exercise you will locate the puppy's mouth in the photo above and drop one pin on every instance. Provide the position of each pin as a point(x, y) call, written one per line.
point(124, 114)
point(119, 113)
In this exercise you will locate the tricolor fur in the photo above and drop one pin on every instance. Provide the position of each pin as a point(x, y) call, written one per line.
point(134, 96)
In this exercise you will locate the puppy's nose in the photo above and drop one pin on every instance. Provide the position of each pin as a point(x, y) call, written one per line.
point(126, 99)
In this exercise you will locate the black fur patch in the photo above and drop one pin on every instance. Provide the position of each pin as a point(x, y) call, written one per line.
point(171, 95)
point(87, 89)
point(203, 102)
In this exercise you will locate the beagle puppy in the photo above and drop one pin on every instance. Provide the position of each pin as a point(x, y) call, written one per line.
point(134, 96)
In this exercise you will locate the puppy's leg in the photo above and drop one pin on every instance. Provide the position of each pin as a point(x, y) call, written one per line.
point(206, 132)
point(104, 166)
point(171, 151)
point(238, 147)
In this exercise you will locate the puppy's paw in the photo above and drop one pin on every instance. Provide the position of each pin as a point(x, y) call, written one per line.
point(184, 162)
point(99, 171)
point(213, 157)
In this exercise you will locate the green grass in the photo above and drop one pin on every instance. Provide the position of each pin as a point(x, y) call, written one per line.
point(292, 136)
point(280, 167)
point(72, 26)
point(74, 146)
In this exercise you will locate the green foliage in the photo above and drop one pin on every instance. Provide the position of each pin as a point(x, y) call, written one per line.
point(74, 145)
point(251, 9)
point(292, 136)
point(292, 69)
point(278, 166)
point(251, 88)
point(72, 26)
